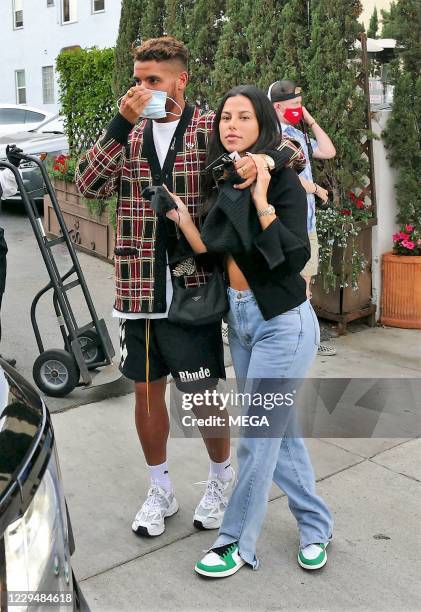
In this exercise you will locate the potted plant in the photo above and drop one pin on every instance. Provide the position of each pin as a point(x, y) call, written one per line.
point(401, 280)
point(91, 222)
point(342, 289)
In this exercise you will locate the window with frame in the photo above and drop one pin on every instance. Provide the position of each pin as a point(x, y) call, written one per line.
point(48, 85)
point(68, 11)
point(20, 87)
point(17, 14)
point(98, 6)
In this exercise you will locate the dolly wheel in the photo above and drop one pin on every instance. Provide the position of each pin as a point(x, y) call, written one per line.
point(91, 350)
point(56, 373)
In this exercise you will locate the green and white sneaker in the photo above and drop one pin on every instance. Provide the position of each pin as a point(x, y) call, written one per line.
point(313, 556)
point(220, 562)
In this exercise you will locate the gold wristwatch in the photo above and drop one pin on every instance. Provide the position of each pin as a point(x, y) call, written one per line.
point(269, 162)
point(270, 210)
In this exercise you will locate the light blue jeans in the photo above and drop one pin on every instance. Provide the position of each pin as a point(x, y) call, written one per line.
point(281, 348)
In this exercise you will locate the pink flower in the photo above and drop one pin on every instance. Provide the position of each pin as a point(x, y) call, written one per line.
point(409, 228)
point(360, 204)
point(403, 236)
point(396, 237)
point(408, 244)
point(419, 241)
point(345, 211)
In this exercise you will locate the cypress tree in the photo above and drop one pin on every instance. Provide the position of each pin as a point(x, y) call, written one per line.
point(152, 19)
point(128, 33)
point(402, 134)
point(203, 27)
point(176, 17)
point(232, 53)
point(263, 37)
point(388, 19)
point(332, 95)
point(373, 26)
point(291, 57)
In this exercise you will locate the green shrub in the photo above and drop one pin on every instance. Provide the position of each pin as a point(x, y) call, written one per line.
point(87, 100)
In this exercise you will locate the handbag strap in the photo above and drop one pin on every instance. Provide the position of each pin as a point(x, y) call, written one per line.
point(309, 146)
point(165, 175)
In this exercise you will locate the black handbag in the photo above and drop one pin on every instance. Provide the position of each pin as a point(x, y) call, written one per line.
point(201, 305)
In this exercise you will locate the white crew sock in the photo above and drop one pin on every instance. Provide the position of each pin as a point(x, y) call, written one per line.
point(159, 475)
point(222, 471)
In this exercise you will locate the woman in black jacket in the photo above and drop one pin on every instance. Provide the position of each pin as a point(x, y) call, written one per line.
point(273, 330)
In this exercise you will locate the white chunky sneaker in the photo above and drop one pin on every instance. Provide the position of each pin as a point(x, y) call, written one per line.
point(211, 508)
point(159, 505)
point(326, 350)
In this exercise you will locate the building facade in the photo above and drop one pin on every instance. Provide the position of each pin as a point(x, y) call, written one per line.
point(32, 34)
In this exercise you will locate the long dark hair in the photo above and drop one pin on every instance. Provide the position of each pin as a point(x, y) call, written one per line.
point(268, 138)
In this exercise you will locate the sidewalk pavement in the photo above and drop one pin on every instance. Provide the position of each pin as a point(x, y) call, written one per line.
point(373, 487)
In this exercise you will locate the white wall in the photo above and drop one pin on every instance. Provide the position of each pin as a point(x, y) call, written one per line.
point(41, 39)
point(385, 178)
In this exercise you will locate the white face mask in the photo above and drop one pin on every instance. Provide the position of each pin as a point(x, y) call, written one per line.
point(155, 109)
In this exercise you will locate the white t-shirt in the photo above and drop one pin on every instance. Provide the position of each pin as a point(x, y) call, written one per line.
point(8, 184)
point(162, 136)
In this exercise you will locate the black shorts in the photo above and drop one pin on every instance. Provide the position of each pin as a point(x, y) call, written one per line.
point(194, 356)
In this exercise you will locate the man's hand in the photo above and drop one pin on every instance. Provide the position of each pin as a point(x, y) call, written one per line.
point(133, 103)
point(307, 117)
point(323, 194)
point(247, 169)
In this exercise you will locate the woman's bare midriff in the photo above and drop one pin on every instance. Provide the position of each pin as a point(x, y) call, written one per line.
point(237, 280)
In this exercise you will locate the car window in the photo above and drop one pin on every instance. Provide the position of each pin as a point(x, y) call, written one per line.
point(32, 117)
point(52, 124)
point(12, 115)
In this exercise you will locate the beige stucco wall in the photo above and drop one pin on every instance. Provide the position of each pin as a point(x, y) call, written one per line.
point(368, 8)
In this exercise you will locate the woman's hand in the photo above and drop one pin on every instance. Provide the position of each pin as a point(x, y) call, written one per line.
point(182, 217)
point(179, 215)
point(259, 189)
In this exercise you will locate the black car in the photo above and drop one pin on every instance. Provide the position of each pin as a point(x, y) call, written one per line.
point(36, 539)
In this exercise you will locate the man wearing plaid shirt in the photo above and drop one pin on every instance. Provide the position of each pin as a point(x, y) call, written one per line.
point(127, 158)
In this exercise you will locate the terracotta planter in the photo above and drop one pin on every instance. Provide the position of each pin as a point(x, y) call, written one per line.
point(90, 233)
point(401, 291)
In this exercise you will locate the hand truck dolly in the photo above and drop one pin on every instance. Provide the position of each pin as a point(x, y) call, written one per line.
point(58, 371)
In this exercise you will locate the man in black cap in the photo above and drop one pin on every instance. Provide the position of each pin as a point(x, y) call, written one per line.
point(295, 121)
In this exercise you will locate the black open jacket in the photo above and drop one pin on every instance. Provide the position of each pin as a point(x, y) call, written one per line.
point(270, 259)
